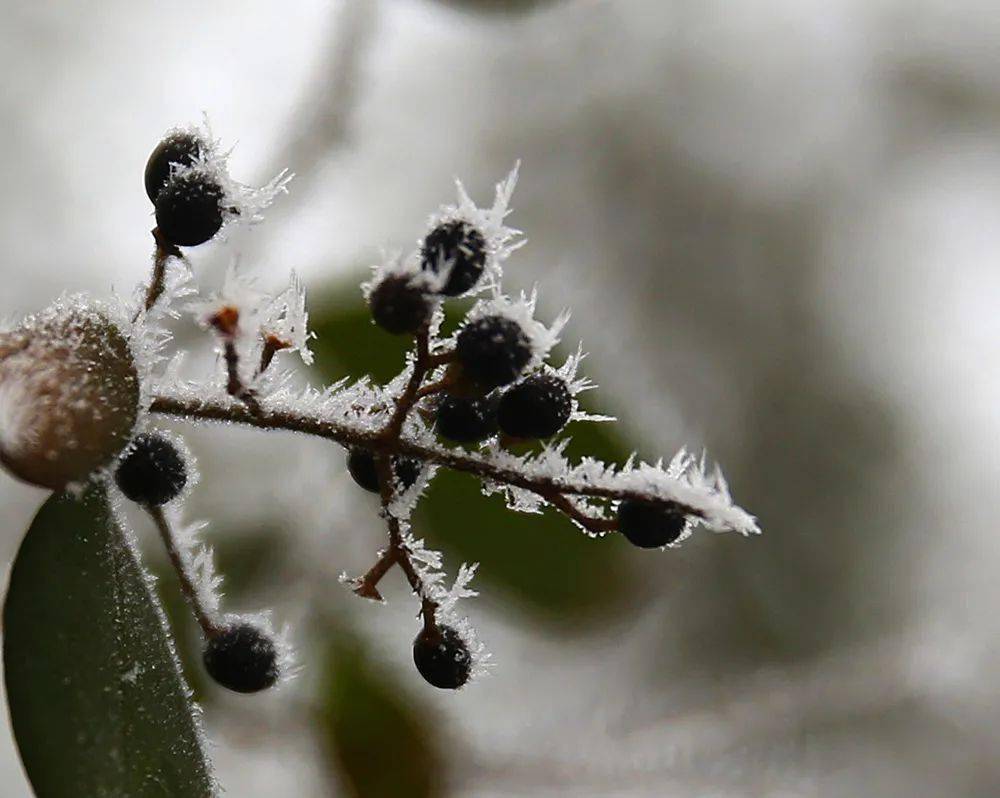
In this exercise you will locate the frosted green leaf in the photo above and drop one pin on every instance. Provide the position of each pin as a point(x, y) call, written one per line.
point(97, 701)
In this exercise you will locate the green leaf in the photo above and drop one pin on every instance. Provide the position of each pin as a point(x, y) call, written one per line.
point(97, 700)
point(383, 745)
point(543, 563)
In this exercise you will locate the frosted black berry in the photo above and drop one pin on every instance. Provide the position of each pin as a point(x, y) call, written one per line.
point(442, 657)
point(152, 472)
point(650, 526)
point(457, 246)
point(181, 149)
point(361, 465)
point(537, 407)
point(466, 420)
point(398, 306)
point(189, 209)
point(493, 350)
point(242, 658)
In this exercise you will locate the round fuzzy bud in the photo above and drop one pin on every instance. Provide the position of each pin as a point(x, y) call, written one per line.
point(361, 465)
point(650, 526)
point(442, 657)
point(242, 658)
point(179, 148)
point(457, 246)
point(69, 395)
point(398, 306)
point(493, 350)
point(466, 420)
point(189, 209)
point(537, 407)
point(152, 471)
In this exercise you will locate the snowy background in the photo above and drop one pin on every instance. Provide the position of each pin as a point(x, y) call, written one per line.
point(778, 223)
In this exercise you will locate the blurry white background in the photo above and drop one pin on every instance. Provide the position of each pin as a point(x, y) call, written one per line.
point(778, 223)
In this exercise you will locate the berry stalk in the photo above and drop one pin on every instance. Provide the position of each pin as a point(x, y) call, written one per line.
point(208, 623)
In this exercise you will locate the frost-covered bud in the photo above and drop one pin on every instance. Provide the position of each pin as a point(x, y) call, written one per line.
point(69, 395)
point(466, 420)
point(180, 148)
point(398, 306)
point(362, 467)
point(189, 208)
point(442, 657)
point(493, 350)
point(458, 248)
point(537, 407)
point(152, 471)
point(650, 526)
point(242, 658)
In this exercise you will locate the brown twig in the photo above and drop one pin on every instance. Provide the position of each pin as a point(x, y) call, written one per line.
point(347, 435)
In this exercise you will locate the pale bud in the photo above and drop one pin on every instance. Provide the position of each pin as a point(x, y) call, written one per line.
point(69, 395)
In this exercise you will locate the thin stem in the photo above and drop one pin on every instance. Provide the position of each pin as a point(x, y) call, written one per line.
point(432, 388)
point(590, 523)
point(205, 619)
point(234, 385)
point(409, 397)
point(383, 463)
point(164, 251)
point(367, 585)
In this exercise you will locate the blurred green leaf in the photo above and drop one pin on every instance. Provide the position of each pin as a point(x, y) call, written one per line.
point(543, 563)
point(383, 745)
point(97, 700)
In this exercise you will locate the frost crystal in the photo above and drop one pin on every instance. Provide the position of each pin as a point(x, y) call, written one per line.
point(286, 320)
point(500, 240)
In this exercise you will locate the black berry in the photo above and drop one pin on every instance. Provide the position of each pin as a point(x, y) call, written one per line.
point(442, 657)
point(466, 420)
point(181, 149)
point(242, 658)
point(398, 306)
point(152, 472)
point(361, 465)
point(537, 407)
point(493, 350)
point(650, 526)
point(457, 246)
point(189, 209)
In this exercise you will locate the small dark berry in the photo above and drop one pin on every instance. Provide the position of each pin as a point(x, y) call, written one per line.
point(442, 657)
point(466, 420)
point(537, 407)
point(398, 306)
point(178, 148)
point(650, 526)
point(458, 246)
point(242, 658)
point(152, 472)
point(189, 209)
point(493, 350)
point(361, 465)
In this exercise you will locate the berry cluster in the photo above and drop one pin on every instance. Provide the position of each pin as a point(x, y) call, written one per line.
point(465, 402)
